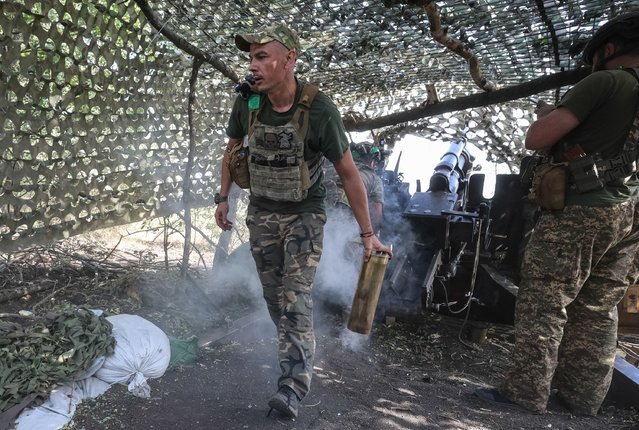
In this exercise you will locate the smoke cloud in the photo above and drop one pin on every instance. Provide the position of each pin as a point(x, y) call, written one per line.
point(338, 271)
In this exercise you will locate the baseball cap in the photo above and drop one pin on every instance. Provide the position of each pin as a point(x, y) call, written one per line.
point(278, 32)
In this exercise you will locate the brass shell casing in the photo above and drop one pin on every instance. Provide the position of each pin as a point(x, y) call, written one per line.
point(369, 286)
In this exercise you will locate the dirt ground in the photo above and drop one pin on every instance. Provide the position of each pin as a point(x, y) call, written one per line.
point(408, 376)
point(413, 374)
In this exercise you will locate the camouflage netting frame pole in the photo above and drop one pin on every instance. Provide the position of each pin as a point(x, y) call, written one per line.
point(186, 185)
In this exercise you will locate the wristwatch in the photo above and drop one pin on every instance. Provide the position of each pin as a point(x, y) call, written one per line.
point(220, 199)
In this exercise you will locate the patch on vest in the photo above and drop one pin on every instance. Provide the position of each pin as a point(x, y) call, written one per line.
point(274, 141)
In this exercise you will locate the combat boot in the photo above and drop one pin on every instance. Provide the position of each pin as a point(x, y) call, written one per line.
point(285, 401)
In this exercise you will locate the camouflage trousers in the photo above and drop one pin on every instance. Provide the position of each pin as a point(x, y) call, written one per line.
point(287, 249)
point(576, 269)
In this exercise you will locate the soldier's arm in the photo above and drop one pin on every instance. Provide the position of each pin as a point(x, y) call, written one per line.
point(547, 130)
point(222, 210)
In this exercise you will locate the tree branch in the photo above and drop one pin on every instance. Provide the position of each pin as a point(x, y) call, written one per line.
point(167, 31)
point(186, 183)
point(439, 34)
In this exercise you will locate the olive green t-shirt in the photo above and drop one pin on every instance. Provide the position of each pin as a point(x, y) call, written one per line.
point(605, 103)
point(326, 135)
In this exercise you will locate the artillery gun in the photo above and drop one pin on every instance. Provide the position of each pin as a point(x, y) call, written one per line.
point(459, 254)
point(456, 252)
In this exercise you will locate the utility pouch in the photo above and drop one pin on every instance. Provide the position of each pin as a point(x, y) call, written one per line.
point(549, 186)
point(585, 174)
point(238, 166)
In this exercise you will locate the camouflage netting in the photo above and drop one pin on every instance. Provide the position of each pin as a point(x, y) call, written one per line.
point(62, 346)
point(95, 127)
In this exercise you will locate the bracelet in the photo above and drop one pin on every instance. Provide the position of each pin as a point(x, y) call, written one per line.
point(367, 234)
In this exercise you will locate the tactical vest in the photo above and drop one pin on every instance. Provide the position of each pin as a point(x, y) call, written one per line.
point(277, 167)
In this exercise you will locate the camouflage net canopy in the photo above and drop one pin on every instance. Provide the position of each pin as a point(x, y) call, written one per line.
point(97, 128)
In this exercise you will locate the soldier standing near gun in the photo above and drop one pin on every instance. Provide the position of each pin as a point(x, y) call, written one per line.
point(290, 127)
point(576, 267)
point(366, 156)
point(342, 249)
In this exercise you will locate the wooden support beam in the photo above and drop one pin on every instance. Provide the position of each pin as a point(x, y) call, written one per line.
point(526, 89)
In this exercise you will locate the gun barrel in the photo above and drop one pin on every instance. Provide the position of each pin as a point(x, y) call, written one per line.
point(452, 167)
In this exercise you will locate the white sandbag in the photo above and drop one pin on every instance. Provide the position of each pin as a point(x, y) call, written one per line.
point(60, 407)
point(142, 351)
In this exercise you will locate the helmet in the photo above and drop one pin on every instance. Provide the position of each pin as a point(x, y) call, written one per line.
point(365, 152)
point(622, 27)
point(358, 151)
